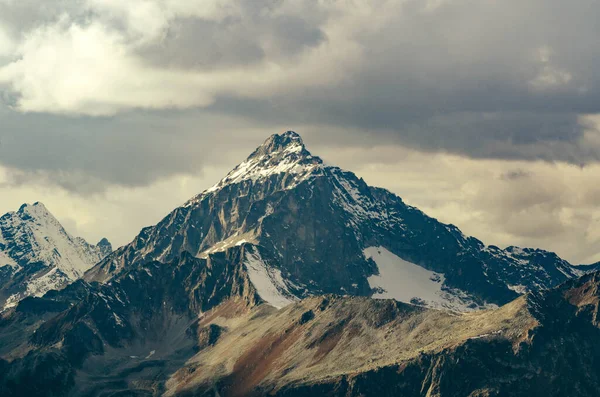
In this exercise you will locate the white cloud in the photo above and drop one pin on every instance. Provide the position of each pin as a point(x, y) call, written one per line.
point(69, 68)
point(92, 68)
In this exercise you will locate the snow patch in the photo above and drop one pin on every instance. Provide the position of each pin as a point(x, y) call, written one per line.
point(406, 282)
point(486, 335)
point(223, 245)
point(402, 280)
point(291, 160)
point(118, 320)
point(267, 280)
point(519, 289)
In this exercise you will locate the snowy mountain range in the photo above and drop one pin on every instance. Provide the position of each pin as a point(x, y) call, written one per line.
point(37, 254)
point(312, 228)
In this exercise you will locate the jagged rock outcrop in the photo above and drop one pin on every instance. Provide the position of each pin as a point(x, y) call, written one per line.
point(112, 331)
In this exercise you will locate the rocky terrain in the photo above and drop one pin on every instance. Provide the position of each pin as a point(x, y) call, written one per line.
point(294, 278)
point(37, 254)
point(336, 346)
point(178, 330)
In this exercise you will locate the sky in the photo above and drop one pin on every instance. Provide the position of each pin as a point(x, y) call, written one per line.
point(482, 113)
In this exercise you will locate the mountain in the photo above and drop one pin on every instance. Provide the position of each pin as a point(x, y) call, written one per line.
point(317, 229)
point(197, 327)
point(37, 254)
point(273, 282)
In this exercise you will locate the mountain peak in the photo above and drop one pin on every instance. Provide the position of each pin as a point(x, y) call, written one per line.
point(36, 211)
point(35, 206)
point(279, 154)
point(283, 153)
point(287, 142)
point(40, 253)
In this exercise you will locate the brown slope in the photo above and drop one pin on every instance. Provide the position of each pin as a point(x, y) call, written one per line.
point(320, 339)
point(543, 344)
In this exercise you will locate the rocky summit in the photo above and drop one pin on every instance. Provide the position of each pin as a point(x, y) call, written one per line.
point(292, 277)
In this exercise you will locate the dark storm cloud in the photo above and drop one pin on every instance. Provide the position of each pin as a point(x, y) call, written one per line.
point(483, 79)
point(501, 135)
point(87, 154)
point(203, 45)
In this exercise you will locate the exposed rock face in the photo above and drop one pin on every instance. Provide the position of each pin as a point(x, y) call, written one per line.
point(140, 328)
point(104, 247)
point(316, 221)
point(237, 293)
point(37, 254)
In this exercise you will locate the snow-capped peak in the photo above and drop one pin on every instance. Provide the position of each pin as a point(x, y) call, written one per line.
point(280, 154)
point(287, 142)
point(34, 242)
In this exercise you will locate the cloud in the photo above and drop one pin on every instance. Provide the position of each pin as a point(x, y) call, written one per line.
point(88, 155)
point(117, 213)
point(515, 174)
point(69, 68)
point(6, 43)
point(94, 64)
point(549, 76)
point(435, 75)
point(401, 52)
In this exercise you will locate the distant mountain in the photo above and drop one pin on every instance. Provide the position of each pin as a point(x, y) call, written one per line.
point(317, 229)
point(37, 254)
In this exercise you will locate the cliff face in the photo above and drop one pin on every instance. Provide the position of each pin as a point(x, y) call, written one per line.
point(137, 329)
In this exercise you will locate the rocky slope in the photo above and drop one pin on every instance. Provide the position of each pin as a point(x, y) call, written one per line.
point(197, 327)
point(542, 344)
point(37, 254)
point(327, 231)
point(100, 339)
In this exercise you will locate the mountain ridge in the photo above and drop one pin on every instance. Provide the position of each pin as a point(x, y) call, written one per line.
point(293, 205)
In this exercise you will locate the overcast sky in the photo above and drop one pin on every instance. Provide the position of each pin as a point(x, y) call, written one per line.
point(482, 113)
